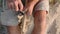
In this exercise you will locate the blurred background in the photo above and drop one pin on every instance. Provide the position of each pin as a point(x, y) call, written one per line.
point(53, 18)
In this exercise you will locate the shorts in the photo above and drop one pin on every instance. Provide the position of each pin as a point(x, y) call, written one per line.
point(9, 18)
point(43, 5)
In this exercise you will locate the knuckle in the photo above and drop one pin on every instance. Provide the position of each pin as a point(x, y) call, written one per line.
point(16, 2)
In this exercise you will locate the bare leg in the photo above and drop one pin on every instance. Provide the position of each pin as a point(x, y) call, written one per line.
point(13, 30)
point(40, 22)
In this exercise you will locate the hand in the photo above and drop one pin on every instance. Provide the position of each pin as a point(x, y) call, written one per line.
point(30, 5)
point(15, 4)
point(29, 10)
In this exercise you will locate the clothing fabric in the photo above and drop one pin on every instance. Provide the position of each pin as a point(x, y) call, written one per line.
point(9, 18)
point(43, 5)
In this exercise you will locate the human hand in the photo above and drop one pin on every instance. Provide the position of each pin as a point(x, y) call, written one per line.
point(29, 10)
point(15, 4)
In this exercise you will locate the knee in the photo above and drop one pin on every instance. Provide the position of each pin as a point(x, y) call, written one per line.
point(39, 17)
point(40, 12)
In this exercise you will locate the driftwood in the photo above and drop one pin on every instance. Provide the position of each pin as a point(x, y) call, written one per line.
point(25, 23)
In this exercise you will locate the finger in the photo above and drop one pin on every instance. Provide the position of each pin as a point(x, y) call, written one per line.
point(12, 6)
point(29, 11)
point(20, 7)
point(8, 5)
point(16, 5)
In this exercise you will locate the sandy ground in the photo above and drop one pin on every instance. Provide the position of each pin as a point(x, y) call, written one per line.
point(53, 21)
